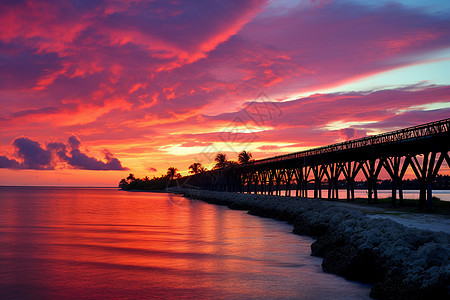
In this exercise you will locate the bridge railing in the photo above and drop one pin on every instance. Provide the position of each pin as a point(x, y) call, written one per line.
point(405, 134)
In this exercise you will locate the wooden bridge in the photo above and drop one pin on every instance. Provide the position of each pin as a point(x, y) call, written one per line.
point(422, 148)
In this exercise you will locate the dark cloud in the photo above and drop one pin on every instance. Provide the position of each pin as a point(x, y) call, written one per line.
point(74, 142)
point(6, 163)
point(79, 160)
point(20, 67)
point(152, 170)
point(33, 156)
point(59, 149)
point(351, 133)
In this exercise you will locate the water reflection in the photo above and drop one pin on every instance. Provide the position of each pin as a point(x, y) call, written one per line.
point(103, 243)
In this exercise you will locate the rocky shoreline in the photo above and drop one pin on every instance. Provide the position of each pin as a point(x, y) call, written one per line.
point(400, 262)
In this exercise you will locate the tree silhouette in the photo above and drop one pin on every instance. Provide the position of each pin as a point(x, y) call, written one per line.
point(244, 157)
point(123, 184)
point(131, 178)
point(172, 173)
point(231, 163)
point(221, 161)
point(196, 168)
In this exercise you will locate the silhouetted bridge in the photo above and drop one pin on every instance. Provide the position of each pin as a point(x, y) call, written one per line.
point(422, 148)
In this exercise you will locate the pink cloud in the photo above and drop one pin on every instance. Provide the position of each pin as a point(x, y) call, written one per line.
point(341, 41)
point(309, 119)
point(195, 144)
point(262, 50)
point(67, 114)
point(198, 28)
point(273, 147)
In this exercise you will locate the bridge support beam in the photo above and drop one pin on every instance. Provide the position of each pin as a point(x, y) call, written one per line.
point(371, 170)
point(305, 181)
point(318, 173)
point(332, 172)
point(256, 179)
point(270, 190)
point(426, 173)
point(288, 176)
point(350, 170)
point(394, 167)
point(263, 182)
point(278, 177)
point(298, 174)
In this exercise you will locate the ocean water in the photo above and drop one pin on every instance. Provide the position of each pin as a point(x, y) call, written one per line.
point(80, 243)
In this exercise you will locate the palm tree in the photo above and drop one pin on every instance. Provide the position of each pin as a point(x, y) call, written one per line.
point(131, 178)
point(123, 184)
point(221, 161)
point(172, 173)
point(244, 157)
point(231, 163)
point(196, 168)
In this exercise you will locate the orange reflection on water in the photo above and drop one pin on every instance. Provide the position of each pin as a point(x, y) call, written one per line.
point(94, 243)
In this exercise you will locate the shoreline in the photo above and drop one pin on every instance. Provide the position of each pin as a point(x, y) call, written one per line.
point(399, 261)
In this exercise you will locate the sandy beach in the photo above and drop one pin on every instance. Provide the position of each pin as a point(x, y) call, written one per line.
point(404, 255)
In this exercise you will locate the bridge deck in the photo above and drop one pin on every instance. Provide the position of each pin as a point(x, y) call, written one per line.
point(412, 139)
point(423, 148)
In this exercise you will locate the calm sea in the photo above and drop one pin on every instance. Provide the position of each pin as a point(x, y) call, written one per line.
point(76, 243)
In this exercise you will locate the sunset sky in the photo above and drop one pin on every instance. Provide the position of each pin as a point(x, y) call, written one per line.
point(93, 90)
